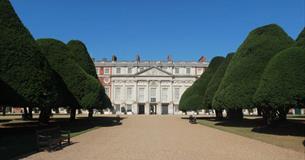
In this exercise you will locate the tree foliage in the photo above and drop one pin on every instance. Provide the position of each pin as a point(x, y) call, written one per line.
point(301, 39)
point(245, 69)
point(215, 81)
point(82, 57)
point(80, 84)
point(192, 98)
point(283, 81)
point(22, 66)
point(80, 54)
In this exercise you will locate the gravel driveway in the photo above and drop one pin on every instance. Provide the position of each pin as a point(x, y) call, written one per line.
point(165, 138)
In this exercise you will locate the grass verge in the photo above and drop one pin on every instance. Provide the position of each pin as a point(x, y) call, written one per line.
point(290, 134)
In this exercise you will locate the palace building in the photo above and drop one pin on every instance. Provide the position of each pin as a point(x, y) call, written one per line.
point(147, 87)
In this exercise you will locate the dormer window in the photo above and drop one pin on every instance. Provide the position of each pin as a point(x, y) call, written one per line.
point(118, 70)
point(176, 70)
point(129, 70)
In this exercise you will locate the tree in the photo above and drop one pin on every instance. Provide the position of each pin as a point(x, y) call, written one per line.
point(282, 85)
point(301, 39)
point(82, 85)
point(245, 69)
point(214, 84)
point(193, 96)
point(22, 66)
point(81, 56)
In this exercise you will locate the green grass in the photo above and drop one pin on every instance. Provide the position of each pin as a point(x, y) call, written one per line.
point(290, 134)
point(18, 138)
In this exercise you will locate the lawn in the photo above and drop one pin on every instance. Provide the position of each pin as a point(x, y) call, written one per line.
point(18, 138)
point(290, 134)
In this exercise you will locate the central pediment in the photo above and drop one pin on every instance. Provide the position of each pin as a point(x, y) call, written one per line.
point(153, 71)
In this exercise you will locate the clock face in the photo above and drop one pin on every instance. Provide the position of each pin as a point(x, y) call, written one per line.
point(106, 80)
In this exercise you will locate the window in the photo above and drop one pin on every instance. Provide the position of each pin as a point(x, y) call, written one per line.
point(177, 70)
point(118, 70)
point(117, 107)
point(153, 92)
point(177, 93)
point(141, 94)
point(129, 108)
point(106, 71)
point(107, 91)
point(129, 70)
point(164, 94)
point(129, 93)
point(188, 70)
point(117, 93)
point(141, 69)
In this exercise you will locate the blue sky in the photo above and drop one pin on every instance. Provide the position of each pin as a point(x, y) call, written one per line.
point(185, 29)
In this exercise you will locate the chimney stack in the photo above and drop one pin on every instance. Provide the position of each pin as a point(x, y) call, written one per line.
point(138, 59)
point(114, 58)
point(169, 58)
point(202, 59)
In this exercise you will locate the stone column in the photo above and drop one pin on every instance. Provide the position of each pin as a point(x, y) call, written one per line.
point(159, 109)
point(146, 108)
point(135, 104)
point(171, 109)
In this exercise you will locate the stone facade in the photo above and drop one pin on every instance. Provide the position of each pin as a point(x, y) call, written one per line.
point(148, 87)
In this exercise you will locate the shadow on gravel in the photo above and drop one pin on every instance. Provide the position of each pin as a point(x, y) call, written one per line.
point(4, 120)
point(291, 127)
point(18, 139)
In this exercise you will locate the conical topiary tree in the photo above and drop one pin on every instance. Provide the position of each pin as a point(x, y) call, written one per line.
point(189, 100)
point(22, 67)
point(83, 86)
point(282, 85)
point(214, 84)
point(192, 98)
point(81, 56)
point(215, 63)
point(244, 72)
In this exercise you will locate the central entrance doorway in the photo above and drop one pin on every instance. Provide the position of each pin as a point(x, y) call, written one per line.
point(164, 109)
point(141, 109)
point(153, 108)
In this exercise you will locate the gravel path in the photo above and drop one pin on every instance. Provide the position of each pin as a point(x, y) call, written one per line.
point(165, 138)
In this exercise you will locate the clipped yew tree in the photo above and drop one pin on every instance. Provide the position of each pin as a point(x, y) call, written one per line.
point(82, 57)
point(301, 39)
point(80, 54)
point(81, 85)
point(23, 68)
point(192, 98)
point(282, 85)
point(245, 69)
point(190, 101)
point(207, 77)
point(183, 100)
point(214, 84)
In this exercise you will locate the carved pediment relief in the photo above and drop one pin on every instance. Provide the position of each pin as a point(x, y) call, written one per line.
point(153, 71)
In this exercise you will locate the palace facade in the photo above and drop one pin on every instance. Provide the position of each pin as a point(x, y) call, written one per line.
point(147, 87)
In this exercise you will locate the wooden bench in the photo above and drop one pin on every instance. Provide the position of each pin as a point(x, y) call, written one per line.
point(192, 119)
point(52, 138)
point(117, 119)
